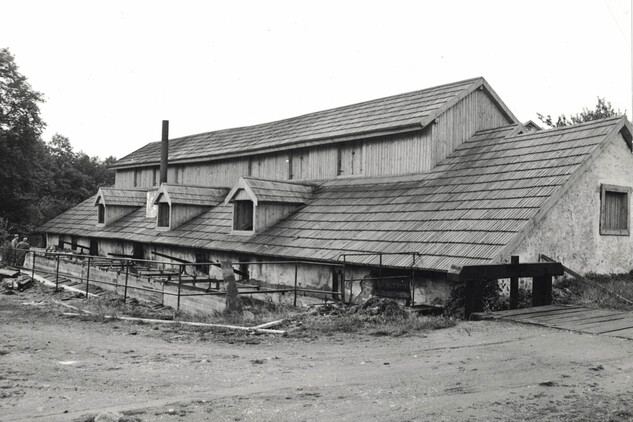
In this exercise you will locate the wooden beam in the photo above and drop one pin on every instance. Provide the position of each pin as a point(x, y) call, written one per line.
point(497, 271)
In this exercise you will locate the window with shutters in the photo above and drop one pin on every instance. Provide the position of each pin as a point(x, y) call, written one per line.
point(614, 210)
point(243, 215)
point(163, 215)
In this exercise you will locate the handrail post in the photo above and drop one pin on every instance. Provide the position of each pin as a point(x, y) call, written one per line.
point(57, 274)
point(179, 285)
point(380, 271)
point(88, 277)
point(296, 265)
point(343, 280)
point(514, 284)
point(127, 274)
point(33, 267)
point(412, 279)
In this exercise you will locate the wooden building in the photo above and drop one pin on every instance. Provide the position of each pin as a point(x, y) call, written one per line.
point(415, 182)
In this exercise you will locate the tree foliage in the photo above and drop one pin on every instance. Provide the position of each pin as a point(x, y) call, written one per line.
point(37, 180)
point(602, 110)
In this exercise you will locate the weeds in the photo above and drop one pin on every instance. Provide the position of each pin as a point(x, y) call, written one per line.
point(379, 326)
point(601, 294)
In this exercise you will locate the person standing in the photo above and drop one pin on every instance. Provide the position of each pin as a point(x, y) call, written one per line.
point(22, 247)
point(12, 253)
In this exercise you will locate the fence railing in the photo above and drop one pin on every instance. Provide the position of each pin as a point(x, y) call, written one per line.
point(170, 273)
point(167, 273)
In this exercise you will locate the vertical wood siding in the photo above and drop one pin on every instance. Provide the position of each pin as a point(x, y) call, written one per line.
point(405, 153)
point(460, 122)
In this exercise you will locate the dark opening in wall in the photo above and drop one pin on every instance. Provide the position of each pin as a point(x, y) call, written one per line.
point(202, 256)
point(243, 215)
point(163, 215)
point(101, 214)
point(94, 247)
point(137, 250)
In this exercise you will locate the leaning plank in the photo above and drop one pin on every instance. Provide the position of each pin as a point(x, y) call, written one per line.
point(194, 324)
point(586, 280)
point(259, 328)
point(269, 324)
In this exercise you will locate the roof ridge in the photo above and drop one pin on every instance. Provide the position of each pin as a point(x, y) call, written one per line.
point(569, 127)
point(462, 82)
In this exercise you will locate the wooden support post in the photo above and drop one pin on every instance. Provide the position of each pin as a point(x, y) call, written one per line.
point(542, 290)
point(33, 267)
point(57, 274)
point(514, 286)
point(296, 270)
point(469, 298)
point(341, 281)
point(547, 290)
point(127, 275)
point(88, 277)
point(479, 295)
point(179, 286)
point(412, 280)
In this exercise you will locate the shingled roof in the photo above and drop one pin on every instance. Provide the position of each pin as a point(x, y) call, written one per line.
point(122, 197)
point(191, 195)
point(410, 111)
point(262, 190)
point(467, 210)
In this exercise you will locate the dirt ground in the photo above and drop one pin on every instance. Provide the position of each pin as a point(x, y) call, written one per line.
point(60, 368)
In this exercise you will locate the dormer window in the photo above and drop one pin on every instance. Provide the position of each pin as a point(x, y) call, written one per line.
point(243, 215)
point(259, 204)
point(100, 213)
point(113, 204)
point(163, 215)
point(177, 204)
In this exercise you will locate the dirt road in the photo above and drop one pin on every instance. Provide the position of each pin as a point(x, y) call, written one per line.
point(56, 368)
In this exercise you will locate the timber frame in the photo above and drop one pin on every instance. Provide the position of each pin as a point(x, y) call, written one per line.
point(473, 276)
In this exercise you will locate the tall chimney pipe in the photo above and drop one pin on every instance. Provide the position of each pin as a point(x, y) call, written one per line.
point(164, 152)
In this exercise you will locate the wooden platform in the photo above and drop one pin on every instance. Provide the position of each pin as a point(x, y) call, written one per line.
point(574, 318)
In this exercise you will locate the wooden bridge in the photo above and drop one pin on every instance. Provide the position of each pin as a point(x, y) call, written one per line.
point(574, 318)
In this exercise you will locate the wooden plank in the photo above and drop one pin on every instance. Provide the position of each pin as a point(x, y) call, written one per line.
point(609, 326)
point(625, 333)
point(558, 313)
point(579, 315)
point(512, 312)
point(9, 273)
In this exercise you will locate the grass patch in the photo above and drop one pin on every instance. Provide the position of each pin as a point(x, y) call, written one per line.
point(602, 292)
point(376, 326)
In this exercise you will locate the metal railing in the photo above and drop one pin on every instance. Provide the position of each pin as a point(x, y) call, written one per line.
point(165, 272)
point(170, 273)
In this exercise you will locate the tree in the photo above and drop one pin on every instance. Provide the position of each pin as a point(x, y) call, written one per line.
point(22, 152)
point(603, 110)
point(37, 180)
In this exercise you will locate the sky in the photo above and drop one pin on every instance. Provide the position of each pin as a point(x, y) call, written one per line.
point(111, 71)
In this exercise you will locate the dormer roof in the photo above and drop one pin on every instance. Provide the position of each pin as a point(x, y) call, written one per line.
point(190, 195)
point(261, 190)
point(121, 197)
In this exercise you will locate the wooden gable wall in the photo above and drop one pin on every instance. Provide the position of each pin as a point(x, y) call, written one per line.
point(413, 152)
